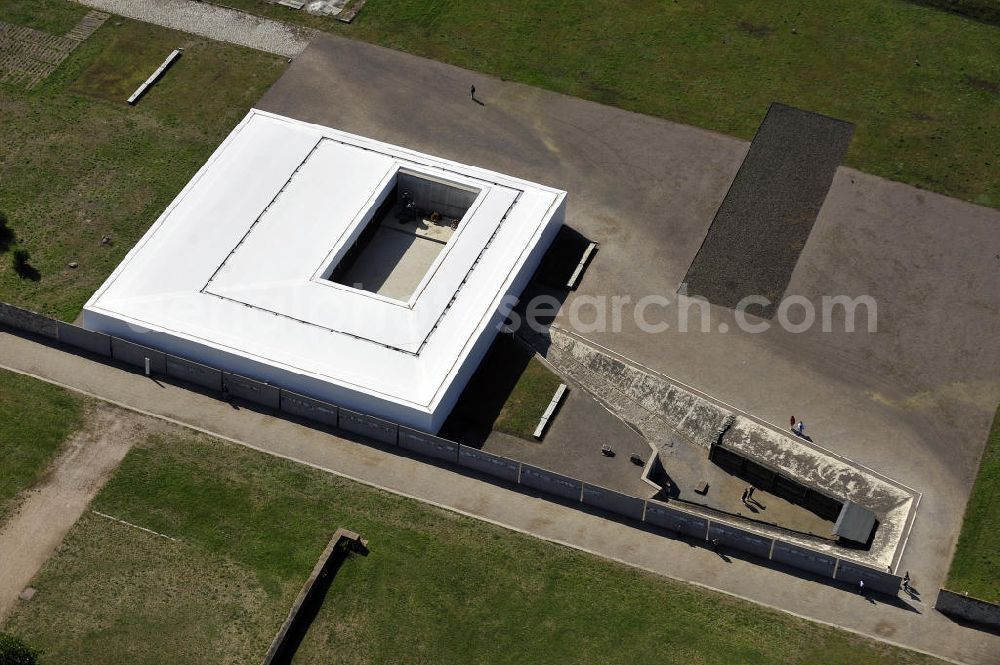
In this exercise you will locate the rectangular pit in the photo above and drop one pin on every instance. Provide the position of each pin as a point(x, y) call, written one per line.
point(400, 244)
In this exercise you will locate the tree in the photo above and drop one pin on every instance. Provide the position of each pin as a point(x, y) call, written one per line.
point(15, 652)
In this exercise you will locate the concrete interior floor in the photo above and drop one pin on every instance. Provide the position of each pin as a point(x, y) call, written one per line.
point(398, 255)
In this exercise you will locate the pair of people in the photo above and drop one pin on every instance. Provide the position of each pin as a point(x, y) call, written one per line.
point(798, 427)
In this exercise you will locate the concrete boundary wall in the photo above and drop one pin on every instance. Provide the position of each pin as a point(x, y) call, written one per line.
point(661, 515)
point(968, 608)
point(307, 407)
point(550, 482)
point(88, 340)
point(488, 463)
point(649, 511)
point(875, 580)
point(804, 559)
point(612, 501)
point(131, 353)
point(196, 373)
point(428, 444)
point(369, 426)
point(740, 539)
point(28, 321)
point(251, 390)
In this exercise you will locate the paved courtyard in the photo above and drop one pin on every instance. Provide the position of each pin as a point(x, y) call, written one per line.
point(913, 400)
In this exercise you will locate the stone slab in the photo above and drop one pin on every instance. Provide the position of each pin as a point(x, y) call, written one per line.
point(803, 558)
point(550, 482)
point(251, 390)
point(739, 539)
point(131, 353)
point(428, 444)
point(680, 521)
point(307, 407)
point(88, 340)
point(875, 580)
point(488, 463)
point(615, 502)
point(28, 321)
point(368, 426)
point(192, 372)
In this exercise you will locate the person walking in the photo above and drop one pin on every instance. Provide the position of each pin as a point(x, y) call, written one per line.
point(746, 493)
point(472, 92)
point(800, 428)
point(792, 423)
point(750, 492)
point(906, 581)
point(861, 587)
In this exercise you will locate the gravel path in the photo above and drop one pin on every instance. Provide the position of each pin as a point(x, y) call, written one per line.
point(219, 23)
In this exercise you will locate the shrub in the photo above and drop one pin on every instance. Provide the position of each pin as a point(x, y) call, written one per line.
point(21, 258)
point(15, 652)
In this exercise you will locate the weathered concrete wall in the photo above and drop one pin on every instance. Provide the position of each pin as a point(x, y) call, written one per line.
point(488, 463)
point(428, 444)
point(369, 426)
point(449, 200)
point(803, 559)
point(968, 608)
point(29, 321)
point(875, 580)
point(663, 516)
point(739, 539)
point(830, 479)
point(81, 338)
point(135, 354)
point(550, 482)
point(258, 392)
point(612, 501)
point(196, 373)
point(307, 407)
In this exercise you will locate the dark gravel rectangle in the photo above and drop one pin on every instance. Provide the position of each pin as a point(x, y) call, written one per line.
point(763, 223)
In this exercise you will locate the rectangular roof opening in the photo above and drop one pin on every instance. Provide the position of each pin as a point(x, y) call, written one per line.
point(401, 242)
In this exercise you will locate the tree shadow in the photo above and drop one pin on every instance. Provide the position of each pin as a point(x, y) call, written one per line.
point(7, 238)
point(27, 271)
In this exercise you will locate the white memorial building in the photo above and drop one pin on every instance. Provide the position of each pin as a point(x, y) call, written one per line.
point(335, 266)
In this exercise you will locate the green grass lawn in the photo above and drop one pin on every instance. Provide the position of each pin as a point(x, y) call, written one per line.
point(718, 65)
point(527, 402)
point(508, 393)
point(76, 162)
point(975, 568)
point(35, 418)
point(436, 587)
point(54, 16)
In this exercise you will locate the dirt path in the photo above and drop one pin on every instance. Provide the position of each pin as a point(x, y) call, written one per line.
point(84, 463)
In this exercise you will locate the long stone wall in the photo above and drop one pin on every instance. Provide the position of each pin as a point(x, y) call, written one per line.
point(968, 608)
point(674, 517)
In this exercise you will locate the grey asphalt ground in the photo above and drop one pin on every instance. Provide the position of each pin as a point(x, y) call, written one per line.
point(915, 399)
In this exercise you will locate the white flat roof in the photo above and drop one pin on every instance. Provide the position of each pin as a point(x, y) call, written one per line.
point(237, 261)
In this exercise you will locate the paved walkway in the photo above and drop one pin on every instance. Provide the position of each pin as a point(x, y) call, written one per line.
point(84, 463)
point(214, 22)
point(911, 624)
